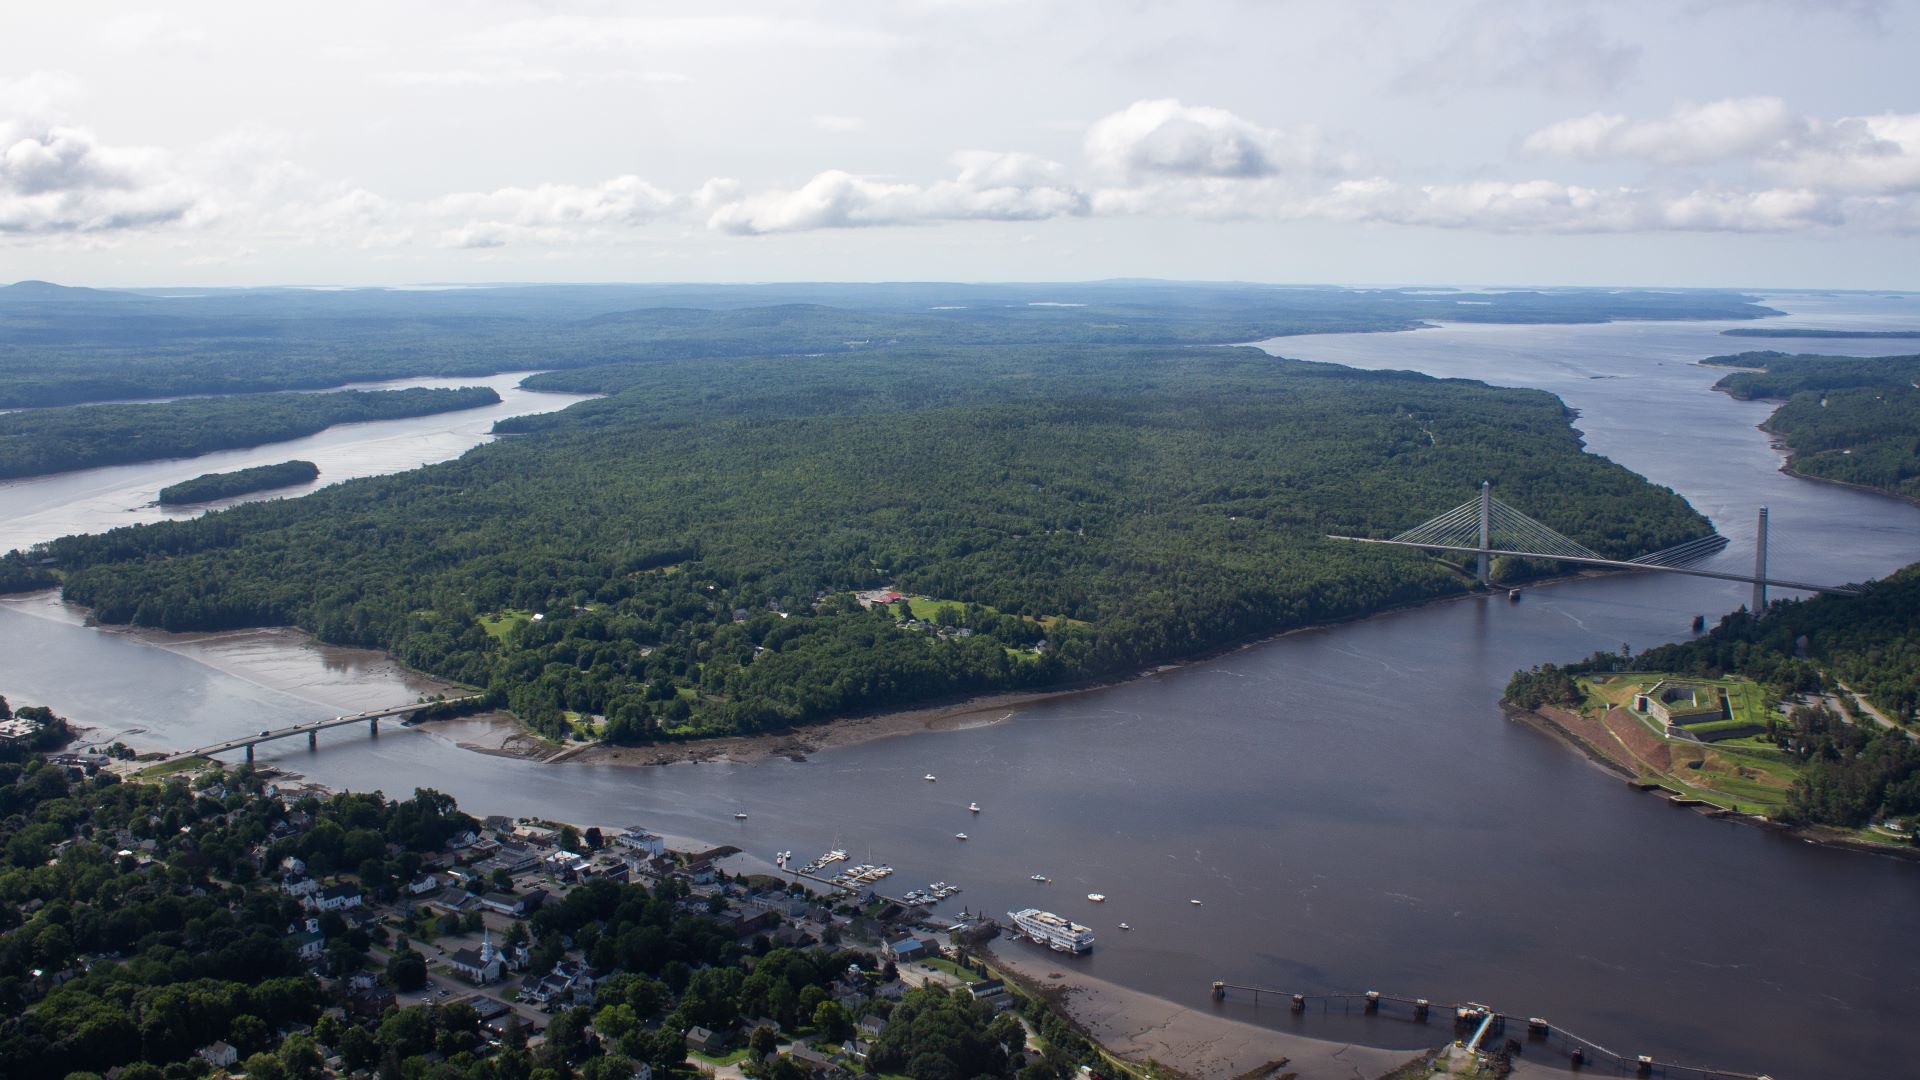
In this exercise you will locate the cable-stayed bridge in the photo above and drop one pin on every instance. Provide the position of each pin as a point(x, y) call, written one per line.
point(1485, 526)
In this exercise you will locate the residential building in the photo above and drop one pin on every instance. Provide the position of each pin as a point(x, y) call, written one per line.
point(336, 897)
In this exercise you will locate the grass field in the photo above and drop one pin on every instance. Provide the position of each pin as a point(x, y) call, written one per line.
point(499, 623)
point(1748, 775)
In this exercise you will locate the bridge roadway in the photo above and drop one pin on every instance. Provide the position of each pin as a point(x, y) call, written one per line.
point(312, 729)
point(1618, 564)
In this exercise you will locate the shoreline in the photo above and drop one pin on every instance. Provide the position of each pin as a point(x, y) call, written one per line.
point(949, 714)
point(1562, 730)
point(1138, 1027)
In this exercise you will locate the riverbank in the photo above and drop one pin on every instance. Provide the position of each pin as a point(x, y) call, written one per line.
point(1139, 1027)
point(1604, 747)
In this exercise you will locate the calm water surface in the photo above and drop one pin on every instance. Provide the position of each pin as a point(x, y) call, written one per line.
point(39, 509)
point(1349, 804)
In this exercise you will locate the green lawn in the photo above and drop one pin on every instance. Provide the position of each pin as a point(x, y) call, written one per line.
point(174, 768)
point(500, 622)
point(733, 1057)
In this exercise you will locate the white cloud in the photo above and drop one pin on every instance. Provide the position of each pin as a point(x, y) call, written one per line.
point(1690, 135)
point(1552, 207)
point(634, 33)
point(548, 211)
point(1868, 154)
point(989, 187)
point(1164, 137)
point(56, 178)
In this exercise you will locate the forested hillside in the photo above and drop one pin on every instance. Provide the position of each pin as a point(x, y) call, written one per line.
point(39, 441)
point(1849, 419)
point(691, 542)
point(62, 346)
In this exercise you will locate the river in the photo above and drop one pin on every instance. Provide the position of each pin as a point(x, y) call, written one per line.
point(41, 508)
point(1348, 803)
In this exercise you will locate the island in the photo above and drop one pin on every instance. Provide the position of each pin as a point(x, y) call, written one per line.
point(210, 486)
point(1846, 420)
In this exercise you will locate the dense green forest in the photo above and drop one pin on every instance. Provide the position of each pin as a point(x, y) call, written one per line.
point(62, 346)
point(1850, 419)
point(210, 486)
point(39, 441)
point(691, 541)
point(145, 920)
point(1871, 643)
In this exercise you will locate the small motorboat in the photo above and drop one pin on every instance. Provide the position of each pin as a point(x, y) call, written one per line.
point(930, 777)
point(1097, 897)
point(1124, 926)
point(974, 806)
point(959, 836)
point(1039, 877)
point(1195, 903)
point(741, 816)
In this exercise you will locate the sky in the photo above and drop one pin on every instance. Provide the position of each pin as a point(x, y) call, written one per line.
point(1742, 143)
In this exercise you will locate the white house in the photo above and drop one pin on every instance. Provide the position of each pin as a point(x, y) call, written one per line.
point(219, 1055)
point(639, 839)
point(336, 898)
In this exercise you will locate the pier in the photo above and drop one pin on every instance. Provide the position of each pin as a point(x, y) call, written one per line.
point(1479, 1026)
point(312, 729)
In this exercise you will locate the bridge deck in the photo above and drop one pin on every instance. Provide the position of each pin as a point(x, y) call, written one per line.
point(1618, 564)
point(317, 725)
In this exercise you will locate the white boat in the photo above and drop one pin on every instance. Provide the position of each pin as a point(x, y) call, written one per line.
point(1195, 903)
point(1039, 877)
point(930, 776)
point(742, 816)
point(1124, 926)
point(974, 806)
point(1046, 928)
point(1097, 897)
point(959, 836)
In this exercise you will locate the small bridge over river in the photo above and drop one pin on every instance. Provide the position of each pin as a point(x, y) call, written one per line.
point(313, 729)
point(1485, 526)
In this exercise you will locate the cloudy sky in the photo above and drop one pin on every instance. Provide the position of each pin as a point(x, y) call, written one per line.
point(1658, 142)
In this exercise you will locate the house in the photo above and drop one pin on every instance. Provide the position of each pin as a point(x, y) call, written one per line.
point(871, 1026)
point(638, 839)
point(462, 841)
point(517, 906)
point(308, 942)
point(511, 857)
point(909, 948)
point(219, 1055)
point(993, 992)
point(370, 1003)
point(478, 966)
point(293, 866)
point(817, 1063)
point(297, 887)
point(696, 873)
point(423, 884)
point(336, 897)
point(568, 981)
point(712, 1043)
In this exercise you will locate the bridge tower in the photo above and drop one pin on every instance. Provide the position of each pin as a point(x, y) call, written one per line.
point(1760, 564)
point(1486, 529)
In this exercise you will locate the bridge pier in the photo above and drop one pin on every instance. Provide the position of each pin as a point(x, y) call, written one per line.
point(373, 727)
point(1760, 565)
point(313, 740)
point(249, 753)
point(1486, 529)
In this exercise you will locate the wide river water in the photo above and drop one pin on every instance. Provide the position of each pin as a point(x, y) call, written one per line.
point(1349, 803)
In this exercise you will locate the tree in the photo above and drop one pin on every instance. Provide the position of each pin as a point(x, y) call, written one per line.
point(762, 1042)
point(833, 1020)
point(407, 970)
